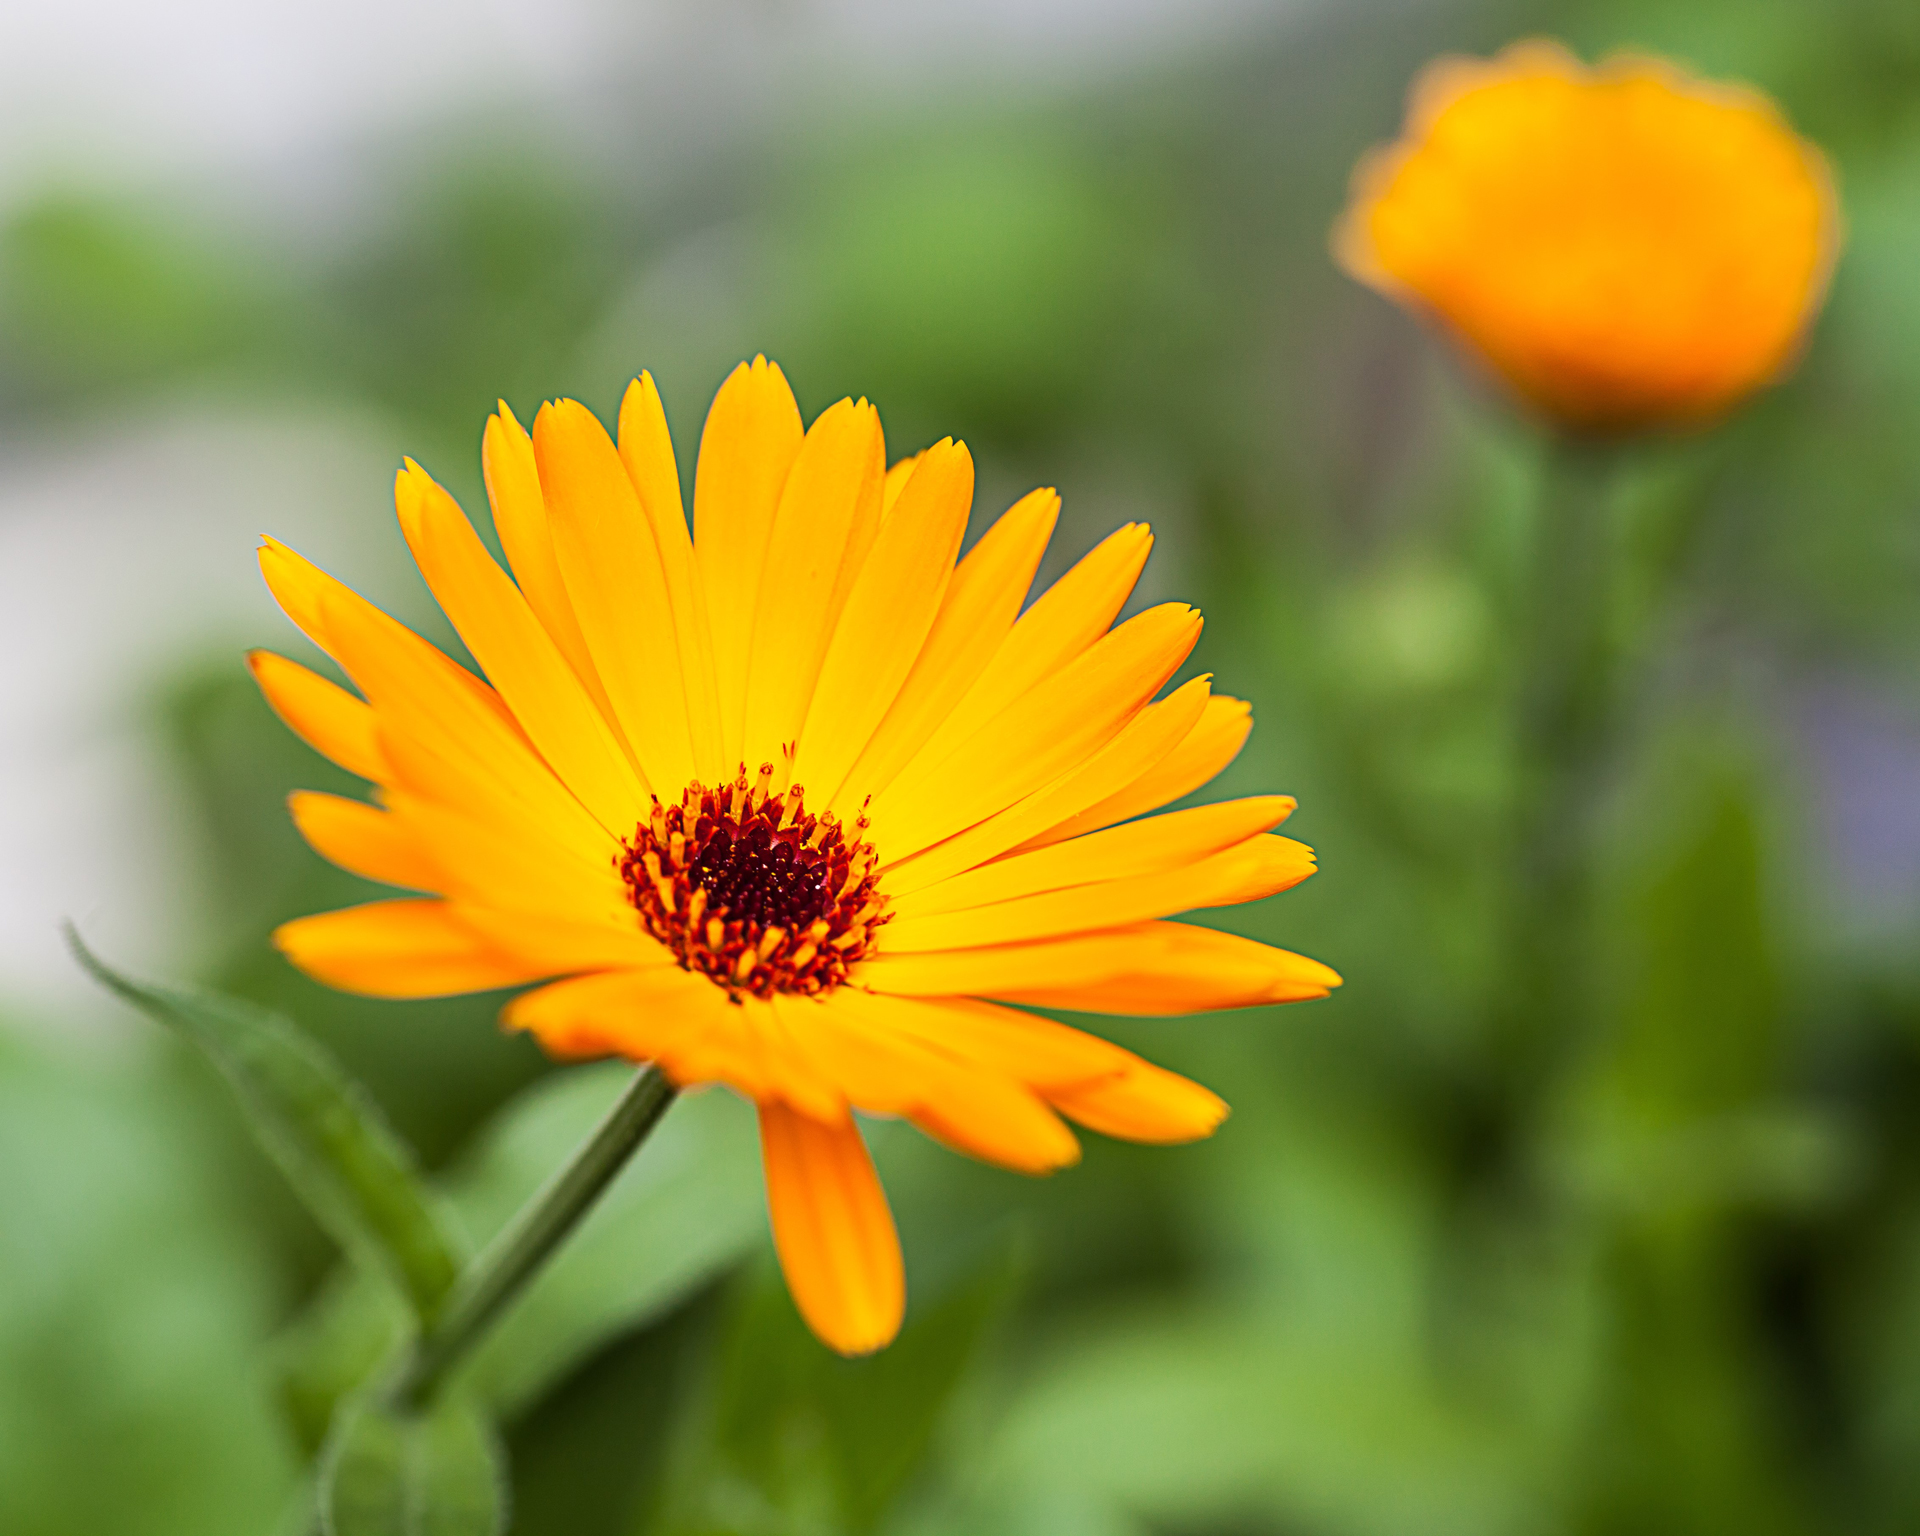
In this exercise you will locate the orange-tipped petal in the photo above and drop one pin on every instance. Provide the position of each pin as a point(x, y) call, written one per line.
point(833, 1230)
point(363, 840)
point(322, 714)
point(1146, 968)
point(399, 949)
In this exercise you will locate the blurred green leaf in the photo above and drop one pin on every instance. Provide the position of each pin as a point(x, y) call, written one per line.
point(132, 1305)
point(324, 1132)
point(794, 1438)
point(684, 1209)
point(387, 1473)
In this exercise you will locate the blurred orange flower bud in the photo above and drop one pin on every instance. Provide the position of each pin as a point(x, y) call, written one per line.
point(1626, 245)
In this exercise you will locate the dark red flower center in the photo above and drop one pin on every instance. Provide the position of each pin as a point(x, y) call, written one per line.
point(749, 889)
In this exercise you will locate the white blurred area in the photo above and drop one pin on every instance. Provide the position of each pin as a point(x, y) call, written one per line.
point(126, 552)
point(123, 557)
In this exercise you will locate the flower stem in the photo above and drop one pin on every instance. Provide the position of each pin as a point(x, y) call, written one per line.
point(497, 1276)
point(1563, 727)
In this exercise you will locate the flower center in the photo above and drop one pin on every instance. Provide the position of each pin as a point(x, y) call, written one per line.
point(750, 890)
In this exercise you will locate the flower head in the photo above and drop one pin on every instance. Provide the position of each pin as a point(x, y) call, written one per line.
point(796, 803)
point(1627, 246)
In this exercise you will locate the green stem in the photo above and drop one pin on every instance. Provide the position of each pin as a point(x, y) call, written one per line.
point(493, 1280)
point(1563, 728)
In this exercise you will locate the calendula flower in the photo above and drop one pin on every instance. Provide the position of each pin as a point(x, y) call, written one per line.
point(1626, 245)
point(796, 804)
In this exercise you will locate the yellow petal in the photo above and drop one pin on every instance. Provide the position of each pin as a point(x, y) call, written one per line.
point(1146, 968)
point(989, 1115)
point(322, 714)
point(1094, 1081)
point(362, 839)
point(685, 1024)
point(833, 488)
point(442, 738)
point(1215, 740)
point(520, 518)
point(752, 433)
point(305, 592)
point(833, 1230)
point(897, 477)
point(559, 945)
point(517, 868)
point(1248, 871)
point(399, 949)
point(886, 619)
point(980, 606)
point(517, 654)
point(1147, 1104)
point(618, 587)
point(1138, 848)
point(1064, 622)
point(1143, 741)
point(646, 448)
point(1047, 731)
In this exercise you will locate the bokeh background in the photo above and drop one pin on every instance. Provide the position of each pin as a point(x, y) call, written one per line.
point(1662, 1277)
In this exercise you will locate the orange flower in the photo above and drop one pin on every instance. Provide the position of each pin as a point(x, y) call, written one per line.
point(785, 801)
point(1626, 245)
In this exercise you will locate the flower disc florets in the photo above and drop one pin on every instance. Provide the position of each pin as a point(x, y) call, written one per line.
point(749, 889)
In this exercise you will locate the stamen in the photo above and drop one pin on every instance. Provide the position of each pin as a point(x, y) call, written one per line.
point(743, 886)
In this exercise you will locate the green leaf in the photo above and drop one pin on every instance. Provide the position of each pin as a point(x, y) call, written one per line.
point(387, 1473)
point(790, 1437)
point(687, 1207)
point(327, 1136)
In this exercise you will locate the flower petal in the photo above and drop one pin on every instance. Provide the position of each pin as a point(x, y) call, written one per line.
point(882, 1069)
point(1144, 968)
point(980, 606)
point(833, 1230)
point(1064, 622)
point(1247, 871)
point(1091, 1080)
point(618, 587)
point(410, 948)
point(520, 518)
point(683, 1022)
point(517, 654)
point(322, 714)
point(886, 619)
point(1047, 731)
point(832, 491)
point(752, 433)
point(362, 839)
point(1214, 741)
point(516, 868)
point(442, 737)
point(303, 590)
point(1143, 741)
point(1138, 848)
point(646, 448)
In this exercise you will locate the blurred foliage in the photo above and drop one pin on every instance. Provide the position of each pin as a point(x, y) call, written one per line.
point(1668, 1281)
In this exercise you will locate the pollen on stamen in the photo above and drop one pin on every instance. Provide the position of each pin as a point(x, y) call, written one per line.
point(747, 888)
